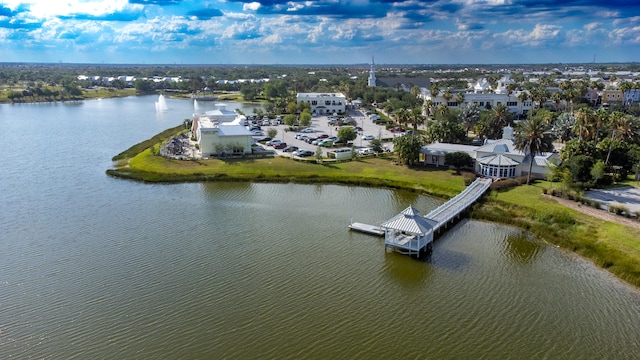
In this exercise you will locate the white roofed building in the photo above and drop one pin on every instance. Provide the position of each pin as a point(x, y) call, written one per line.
point(217, 138)
point(323, 103)
point(494, 159)
point(221, 114)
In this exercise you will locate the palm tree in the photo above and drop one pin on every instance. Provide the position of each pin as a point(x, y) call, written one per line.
point(416, 118)
point(584, 119)
point(434, 90)
point(522, 97)
point(447, 95)
point(623, 127)
point(442, 110)
point(415, 90)
point(402, 116)
point(469, 116)
point(429, 108)
point(500, 114)
point(460, 98)
point(534, 137)
point(539, 95)
point(600, 119)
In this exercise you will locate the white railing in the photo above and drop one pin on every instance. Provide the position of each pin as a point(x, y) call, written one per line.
point(459, 202)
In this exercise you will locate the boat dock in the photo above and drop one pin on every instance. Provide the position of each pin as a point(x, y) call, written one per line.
point(421, 229)
point(367, 229)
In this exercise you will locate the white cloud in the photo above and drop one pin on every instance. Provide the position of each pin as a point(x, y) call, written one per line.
point(539, 36)
point(45, 9)
point(254, 6)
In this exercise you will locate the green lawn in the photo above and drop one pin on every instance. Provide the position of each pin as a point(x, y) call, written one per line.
point(370, 171)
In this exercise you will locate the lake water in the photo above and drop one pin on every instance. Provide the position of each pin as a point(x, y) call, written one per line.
point(95, 267)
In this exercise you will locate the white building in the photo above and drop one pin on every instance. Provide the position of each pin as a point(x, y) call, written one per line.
point(221, 138)
point(494, 159)
point(323, 103)
point(484, 95)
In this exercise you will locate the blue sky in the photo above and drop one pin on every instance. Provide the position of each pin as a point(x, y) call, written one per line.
point(319, 32)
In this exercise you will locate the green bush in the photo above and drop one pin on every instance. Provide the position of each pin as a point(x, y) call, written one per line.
point(468, 178)
point(618, 209)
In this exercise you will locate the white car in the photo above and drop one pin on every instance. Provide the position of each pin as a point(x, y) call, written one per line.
point(366, 151)
point(307, 130)
point(368, 137)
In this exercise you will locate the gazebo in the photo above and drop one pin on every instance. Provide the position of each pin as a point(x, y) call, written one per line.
point(409, 232)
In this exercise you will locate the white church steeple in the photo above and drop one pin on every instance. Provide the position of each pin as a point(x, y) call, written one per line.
point(372, 74)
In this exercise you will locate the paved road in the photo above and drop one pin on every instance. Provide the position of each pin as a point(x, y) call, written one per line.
point(321, 126)
point(628, 196)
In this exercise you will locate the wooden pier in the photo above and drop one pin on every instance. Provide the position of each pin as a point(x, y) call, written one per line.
point(411, 233)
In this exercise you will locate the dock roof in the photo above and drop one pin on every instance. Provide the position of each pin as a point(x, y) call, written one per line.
point(410, 221)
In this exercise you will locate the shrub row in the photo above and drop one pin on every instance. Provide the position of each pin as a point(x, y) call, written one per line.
point(509, 183)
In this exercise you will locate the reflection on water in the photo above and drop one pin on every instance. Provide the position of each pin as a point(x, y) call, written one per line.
point(522, 248)
point(405, 270)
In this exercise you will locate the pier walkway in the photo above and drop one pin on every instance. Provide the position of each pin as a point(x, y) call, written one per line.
point(403, 225)
point(459, 203)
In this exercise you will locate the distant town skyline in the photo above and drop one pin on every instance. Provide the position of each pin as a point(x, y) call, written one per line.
point(319, 32)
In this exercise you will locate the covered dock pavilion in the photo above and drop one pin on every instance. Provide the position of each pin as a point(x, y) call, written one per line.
point(409, 232)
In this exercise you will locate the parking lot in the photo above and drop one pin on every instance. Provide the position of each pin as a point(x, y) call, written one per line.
point(320, 125)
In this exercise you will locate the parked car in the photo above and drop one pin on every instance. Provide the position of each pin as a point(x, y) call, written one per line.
point(317, 141)
point(310, 139)
point(299, 136)
point(281, 145)
point(273, 142)
point(264, 139)
point(257, 132)
point(326, 143)
point(396, 129)
point(255, 128)
point(323, 136)
point(368, 137)
point(303, 152)
point(308, 130)
point(333, 138)
point(290, 148)
point(366, 151)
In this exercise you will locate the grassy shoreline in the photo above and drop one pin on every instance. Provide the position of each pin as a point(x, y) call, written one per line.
point(611, 246)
